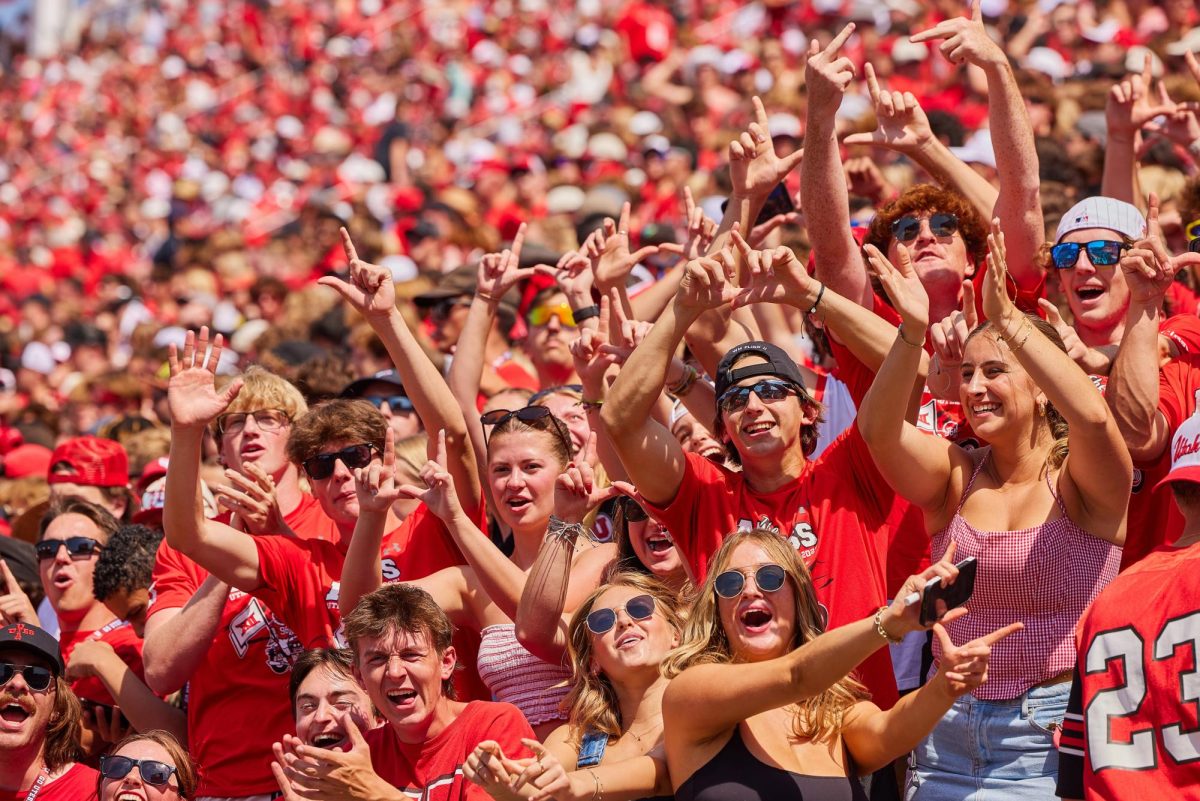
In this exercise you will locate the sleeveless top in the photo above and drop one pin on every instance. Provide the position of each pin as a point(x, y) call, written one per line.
point(1044, 576)
point(735, 774)
point(591, 750)
point(515, 676)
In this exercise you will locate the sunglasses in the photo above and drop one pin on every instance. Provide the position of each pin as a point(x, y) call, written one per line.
point(768, 578)
point(542, 394)
point(539, 417)
point(443, 308)
point(321, 467)
point(36, 678)
point(265, 419)
point(153, 771)
point(540, 315)
point(77, 547)
point(735, 398)
point(396, 403)
point(908, 227)
point(1101, 253)
point(601, 621)
point(634, 513)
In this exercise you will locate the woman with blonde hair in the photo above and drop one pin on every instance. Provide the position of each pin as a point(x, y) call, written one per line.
point(611, 744)
point(761, 704)
point(151, 765)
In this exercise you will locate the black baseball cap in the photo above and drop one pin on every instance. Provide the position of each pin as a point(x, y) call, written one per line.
point(777, 364)
point(33, 639)
point(356, 388)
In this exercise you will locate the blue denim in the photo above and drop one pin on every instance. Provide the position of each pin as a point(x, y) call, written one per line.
point(591, 749)
point(992, 750)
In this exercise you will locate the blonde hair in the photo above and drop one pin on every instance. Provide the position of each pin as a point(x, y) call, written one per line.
point(262, 389)
point(705, 640)
point(592, 702)
point(412, 452)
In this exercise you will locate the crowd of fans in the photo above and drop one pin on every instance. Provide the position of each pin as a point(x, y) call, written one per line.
point(505, 400)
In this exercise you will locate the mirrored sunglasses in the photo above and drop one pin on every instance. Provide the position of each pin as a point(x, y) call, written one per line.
point(601, 621)
point(735, 398)
point(396, 403)
point(768, 578)
point(540, 315)
point(1101, 253)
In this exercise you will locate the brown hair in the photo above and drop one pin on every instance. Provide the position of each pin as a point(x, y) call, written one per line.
point(705, 641)
point(555, 430)
point(336, 421)
point(61, 746)
point(185, 770)
point(400, 608)
point(338, 660)
point(929, 198)
point(99, 516)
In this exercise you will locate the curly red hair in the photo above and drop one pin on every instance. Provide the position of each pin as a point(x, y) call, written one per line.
point(928, 198)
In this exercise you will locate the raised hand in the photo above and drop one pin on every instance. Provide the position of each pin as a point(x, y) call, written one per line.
point(1182, 126)
point(903, 616)
point(708, 282)
point(611, 258)
point(575, 491)
point(1070, 337)
point(1149, 269)
point(701, 231)
point(192, 397)
point(309, 772)
point(375, 485)
point(500, 272)
point(754, 167)
point(88, 657)
point(901, 124)
point(963, 668)
point(489, 768)
point(253, 501)
point(774, 276)
point(624, 334)
point(439, 493)
point(827, 75)
point(370, 290)
point(949, 336)
point(573, 275)
point(903, 286)
point(998, 307)
point(591, 361)
point(967, 40)
point(15, 606)
point(1129, 106)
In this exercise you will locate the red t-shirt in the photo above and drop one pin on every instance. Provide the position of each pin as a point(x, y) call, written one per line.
point(1132, 729)
point(300, 579)
point(432, 771)
point(124, 641)
point(835, 515)
point(77, 784)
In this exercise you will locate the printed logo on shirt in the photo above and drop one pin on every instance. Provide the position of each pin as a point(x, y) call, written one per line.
point(934, 419)
point(250, 625)
point(803, 537)
point(152, 596)
point(1139, 480)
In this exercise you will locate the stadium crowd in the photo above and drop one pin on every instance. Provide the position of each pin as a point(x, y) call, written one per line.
point(645, 400)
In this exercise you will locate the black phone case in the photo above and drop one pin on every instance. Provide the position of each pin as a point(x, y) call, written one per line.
point(955, 595)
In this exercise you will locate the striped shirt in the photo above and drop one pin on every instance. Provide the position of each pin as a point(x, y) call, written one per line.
point(517, 677)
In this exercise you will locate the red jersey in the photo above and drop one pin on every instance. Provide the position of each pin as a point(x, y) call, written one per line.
point(1132, 731)
point(835, 515)
point(123, 640)
point(432, 771)
point(77, 784)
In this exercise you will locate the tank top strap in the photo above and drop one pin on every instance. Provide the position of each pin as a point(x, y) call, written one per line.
point(1053, 487)
point(974, 474)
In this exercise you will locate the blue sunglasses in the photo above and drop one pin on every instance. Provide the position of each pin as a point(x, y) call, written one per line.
point(1101, 253)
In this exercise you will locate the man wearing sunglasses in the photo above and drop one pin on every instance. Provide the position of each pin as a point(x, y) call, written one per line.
point(386, 393)
point(38, 752)
point(552, 327)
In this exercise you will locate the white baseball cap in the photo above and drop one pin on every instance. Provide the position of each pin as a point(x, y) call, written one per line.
point(1102, 212)
point(1185, 453)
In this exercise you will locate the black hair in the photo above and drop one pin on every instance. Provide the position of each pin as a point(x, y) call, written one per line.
point(127, 561)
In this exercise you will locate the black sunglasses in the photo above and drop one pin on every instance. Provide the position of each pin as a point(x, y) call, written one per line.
point(321, 466)
point(768, 578)
point(153, 771)
point(77, 547)
point(542, 394)
point(633, 511)
point(908, 227)
point(601, 621)
point(37, 678)
point(396, 403)
point(539, 417)
point(1101, 253)
point(442, 308)
point(735, 398)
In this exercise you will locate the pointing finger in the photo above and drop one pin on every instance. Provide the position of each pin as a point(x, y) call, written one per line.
point(999, 634)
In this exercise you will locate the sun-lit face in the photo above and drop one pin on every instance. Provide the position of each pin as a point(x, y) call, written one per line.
point(522, 469)
point(133, 787)
point(321, 700)
point(654, 548)
point(548, 344)
point(262, 444)
point(336, 493)
point(403, 673)
point(571, 412)
point(630, 645)
point(998, 397)
point(24, 712)
point(68, 579)
point(760, 625)
point(765, 430)
point(1097, 295)
point(695, 438)
point(941, 262)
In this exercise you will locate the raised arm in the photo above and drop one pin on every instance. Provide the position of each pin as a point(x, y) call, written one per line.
point(371, 293)
point(1128, 109)
point(194, 402)
point(1097, 475)
point(177, 640)
point(144, 710)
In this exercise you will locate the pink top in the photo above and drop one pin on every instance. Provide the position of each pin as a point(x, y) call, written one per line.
point(518, 677)
point(1043, 576)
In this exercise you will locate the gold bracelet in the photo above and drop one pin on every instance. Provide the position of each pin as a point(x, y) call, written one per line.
point(904, 339)
point(1008, 340)
point(598, 793)
point(881, 630)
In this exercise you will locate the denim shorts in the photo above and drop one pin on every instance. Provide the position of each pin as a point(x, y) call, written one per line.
point(992, 750)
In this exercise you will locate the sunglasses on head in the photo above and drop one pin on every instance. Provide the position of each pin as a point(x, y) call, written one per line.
point(396, 403)
point(540, 315)
point(321, 466)
point(542, 394)
point(153, 771)
point(1101, 253)
point(601, 621)
point(768, 578)
point(735, 398)
point(77, 547)
point(908, 227)
point(37, 678)
point(539, 417)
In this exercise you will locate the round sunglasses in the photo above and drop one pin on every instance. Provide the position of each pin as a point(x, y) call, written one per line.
point(908, 227)
point(321, 466)
point(735, 398)
point(153, 771)
point(1101, 253)
point(37, 678)
point(768, 578)
point(601, 621)
point(77, 547)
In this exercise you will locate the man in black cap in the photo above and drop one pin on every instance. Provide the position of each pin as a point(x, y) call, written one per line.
point(39, 721)
point(386, 393)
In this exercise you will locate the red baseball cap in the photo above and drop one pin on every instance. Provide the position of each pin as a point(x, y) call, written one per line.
point(28, 459)
point(90, 461)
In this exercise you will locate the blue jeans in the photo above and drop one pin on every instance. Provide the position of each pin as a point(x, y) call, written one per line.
point(992, 750)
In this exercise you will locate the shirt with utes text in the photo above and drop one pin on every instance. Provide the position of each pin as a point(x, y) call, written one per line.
point(124, 641)
point(432, 771)
point(1130, 730)
point(301, 579)
point(77, 784)
point(834, 514)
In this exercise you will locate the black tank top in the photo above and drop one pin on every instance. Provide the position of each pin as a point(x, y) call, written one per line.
point(735, 774)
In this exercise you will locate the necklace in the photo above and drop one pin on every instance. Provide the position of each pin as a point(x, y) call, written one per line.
point(649, 729)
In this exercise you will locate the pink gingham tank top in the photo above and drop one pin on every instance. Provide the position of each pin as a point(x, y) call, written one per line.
point(515, 676)
point(1043, 576)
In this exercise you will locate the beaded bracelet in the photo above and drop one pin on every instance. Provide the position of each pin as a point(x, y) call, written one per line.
point(684, 385)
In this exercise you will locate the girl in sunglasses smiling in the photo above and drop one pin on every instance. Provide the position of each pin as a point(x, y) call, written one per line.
point(148, 767)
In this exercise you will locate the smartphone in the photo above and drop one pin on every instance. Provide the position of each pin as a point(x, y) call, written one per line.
point(937, 600)
point(778, 202)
